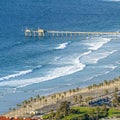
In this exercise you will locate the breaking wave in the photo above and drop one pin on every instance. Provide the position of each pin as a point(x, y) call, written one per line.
point(62, 46)
point(94, 58)
point(97, 44)
point(68, 65)
point(15, 75)
point(52, 74)
point(111, 67)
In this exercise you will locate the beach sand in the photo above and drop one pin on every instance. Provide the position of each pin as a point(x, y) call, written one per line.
point(45, 104)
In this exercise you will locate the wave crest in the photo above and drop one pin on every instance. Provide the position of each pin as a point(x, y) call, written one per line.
point(15, 75)
point(76, 66)
point(94, 58)
point(62, 46)
point(97, 44)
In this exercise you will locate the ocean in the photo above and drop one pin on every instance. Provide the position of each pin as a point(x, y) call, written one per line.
point(32, 66)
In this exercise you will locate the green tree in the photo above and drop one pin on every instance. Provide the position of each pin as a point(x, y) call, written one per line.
point(70, 91)
point(116, 89)
point(52, 97)
point(80, 99)
point(64, 108)
point(52, 114)
point(64, 94)
point(106, 92)
point(45, 101)
point(105, 82)
point(18, 105)
point(59, 95)
point(74, 90)
point(97, 111)
point(58, 116)
point(75, 99)
point(77, 89)
point(91, 114)
point(31, 99)
point(104, 110)
point(116, 100)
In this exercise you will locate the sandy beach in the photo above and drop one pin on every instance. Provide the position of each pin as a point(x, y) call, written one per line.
point(45, 104)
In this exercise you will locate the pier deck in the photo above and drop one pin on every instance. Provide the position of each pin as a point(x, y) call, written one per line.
point(42, 33)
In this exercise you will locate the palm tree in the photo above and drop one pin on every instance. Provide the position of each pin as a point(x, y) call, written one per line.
point(40, 99)
point(94, 85)
point(89, 98)
point(106, 92)
point(65, 94)
point(101, 84)
point(105, 110)
point(75, 99)
point(45, 101)
point(57, 115)
point(74, 90)
point(105, 82)
point(57, 98)
point(89, 87)
point(77, 89)
point(52, 113)
point(91, 114)
point(24, 102)
point(116, 89)
point(35, 99)
point(52, 98)
point(43, 97)
point(115, 101)
point(59, 95)
point(98, 111)
point(31, 99)
point(14, 109)
point(65, 108)
point(70, 91)
point(28, 101)
point(80, 99)
point(18, 105)
point(62, 96)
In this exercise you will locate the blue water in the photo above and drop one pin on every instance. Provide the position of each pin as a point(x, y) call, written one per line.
point(31, 66)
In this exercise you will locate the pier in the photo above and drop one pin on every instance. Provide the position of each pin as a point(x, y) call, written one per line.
point(42, 33)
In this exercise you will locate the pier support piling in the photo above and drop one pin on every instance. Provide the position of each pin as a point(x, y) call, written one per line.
point(42, 33)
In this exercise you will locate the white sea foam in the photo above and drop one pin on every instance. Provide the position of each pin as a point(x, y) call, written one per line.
point(52, 74)
point(71, 64)
point(37, 67)
point(111, 67)
point(94, 58)
point(15, 75)
point(86, 53)
point(62, 46)
point(95, 45)
point(69, 60)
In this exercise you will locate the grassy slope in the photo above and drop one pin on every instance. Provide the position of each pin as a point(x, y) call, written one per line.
point(111, 113)
point(114, 112)
point(85, 110)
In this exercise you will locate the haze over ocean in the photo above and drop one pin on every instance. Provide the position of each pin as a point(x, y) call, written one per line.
point(31, 66)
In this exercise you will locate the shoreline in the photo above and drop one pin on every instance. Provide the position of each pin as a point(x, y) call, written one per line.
point(44, 104)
